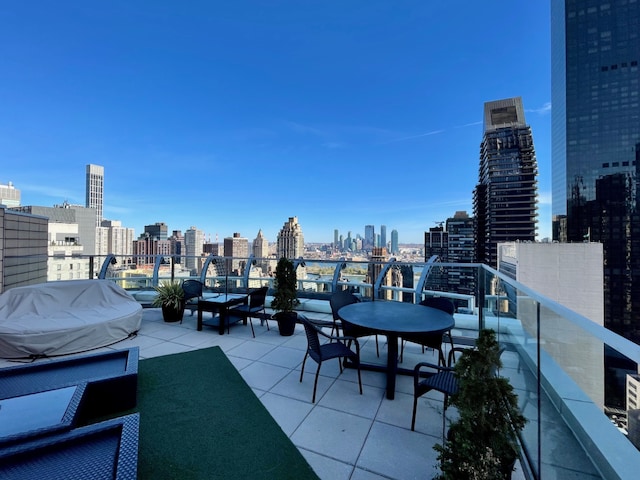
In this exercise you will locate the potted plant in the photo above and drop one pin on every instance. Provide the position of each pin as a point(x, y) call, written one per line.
point(285, 298)
point(482, 443)
point(171, 299)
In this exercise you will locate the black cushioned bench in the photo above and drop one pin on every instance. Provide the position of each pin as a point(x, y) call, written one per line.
point(111, 378)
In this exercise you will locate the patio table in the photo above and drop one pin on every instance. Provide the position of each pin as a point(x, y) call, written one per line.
point(394, 319)
point(221, 305)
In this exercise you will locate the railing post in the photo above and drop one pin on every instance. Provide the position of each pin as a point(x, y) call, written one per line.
point(481, 295)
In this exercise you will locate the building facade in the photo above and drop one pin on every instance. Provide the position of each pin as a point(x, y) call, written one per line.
point(112, 237)
point(238, 248)
point(596, 143)
point(94, 190)
point(9, 195)
point(290, 241)
point(505, 198)
point(23, 249)
point(193, 243)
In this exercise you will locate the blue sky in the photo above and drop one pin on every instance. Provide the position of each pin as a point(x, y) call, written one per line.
point(234, 116)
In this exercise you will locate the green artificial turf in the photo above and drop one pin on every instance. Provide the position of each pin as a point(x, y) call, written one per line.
point(200, 420)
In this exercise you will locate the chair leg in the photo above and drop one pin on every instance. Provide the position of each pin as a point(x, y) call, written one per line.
point(377, 351)
point(303, 362)
point(251, 323)
point(413, 417)
point(315, 383)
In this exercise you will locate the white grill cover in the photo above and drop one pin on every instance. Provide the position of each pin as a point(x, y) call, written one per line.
point(59, 318)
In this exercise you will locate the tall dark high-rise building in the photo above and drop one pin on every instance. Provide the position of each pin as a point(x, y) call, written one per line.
point(383, 236)
point(505, 199)
point(596, 143)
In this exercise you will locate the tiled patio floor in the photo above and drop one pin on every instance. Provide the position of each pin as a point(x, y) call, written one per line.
point(344, 435)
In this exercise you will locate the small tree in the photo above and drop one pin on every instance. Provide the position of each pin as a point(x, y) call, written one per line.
point(285, 298)
point(482, 443)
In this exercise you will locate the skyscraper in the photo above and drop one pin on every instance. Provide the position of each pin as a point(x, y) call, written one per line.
point(383, 236)
point(290, 242)
point(369, 236)
point(394, 242)
point(596, 143)
point(505, 199)
point(94, 190)
point(193, 242)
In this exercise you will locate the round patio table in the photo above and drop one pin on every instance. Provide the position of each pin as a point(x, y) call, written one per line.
point(395, 319)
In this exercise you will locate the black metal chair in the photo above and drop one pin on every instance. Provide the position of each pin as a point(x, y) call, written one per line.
point(342, 299)
point(439, 378)
point(337, 348)
point(253, 308)
point(433, 341)
point(192, 293)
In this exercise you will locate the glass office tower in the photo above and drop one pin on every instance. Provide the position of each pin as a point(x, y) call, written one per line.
point(596, 143)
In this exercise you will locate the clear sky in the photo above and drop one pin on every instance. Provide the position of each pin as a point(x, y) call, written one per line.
point(233, 116)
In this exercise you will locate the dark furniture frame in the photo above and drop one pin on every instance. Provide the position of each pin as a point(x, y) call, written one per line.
point(105, 450)
point(111, 378)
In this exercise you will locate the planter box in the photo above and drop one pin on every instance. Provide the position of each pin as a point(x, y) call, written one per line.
point(111, 378)
point(106, 450)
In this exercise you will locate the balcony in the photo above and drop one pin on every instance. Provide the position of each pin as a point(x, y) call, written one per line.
point(554, 357)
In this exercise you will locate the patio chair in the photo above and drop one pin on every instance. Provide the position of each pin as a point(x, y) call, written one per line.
point(433, 341)
point(441, 378)
point(192, 293)
point(253, 308)
point(336, 348)
point(342, 299)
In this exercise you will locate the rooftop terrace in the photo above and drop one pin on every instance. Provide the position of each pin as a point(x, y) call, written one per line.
point(554, 359)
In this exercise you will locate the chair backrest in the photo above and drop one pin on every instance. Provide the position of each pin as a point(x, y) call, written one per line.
point(313, 339)
point(441, 303)
point(339, 300)
point(192, 289)
point(258, 297)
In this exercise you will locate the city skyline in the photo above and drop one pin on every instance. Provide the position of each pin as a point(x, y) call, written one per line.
point(233, 118)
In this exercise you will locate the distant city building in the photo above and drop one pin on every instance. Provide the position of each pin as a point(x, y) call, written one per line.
point(84, 218)
point(290, 241)
point(238, 248)
point(23, 249)
point(193, 242)
point(436, 242)
point(148, 246)
point(212, 249)
point(395, 249)
point(177, 242)
point(157, 231)
point(379, 256)
point(505, 198)
point(369, 236)
point(337, 240)
point(595, 128)
point(633, 408)
point(460, 249)
point(261, 251)
point(9, 195)
point(113, 238)
point(383, 236)
point(94, 190)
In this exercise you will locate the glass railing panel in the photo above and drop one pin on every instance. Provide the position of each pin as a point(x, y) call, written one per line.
point(315, 277)
point(355, 278)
